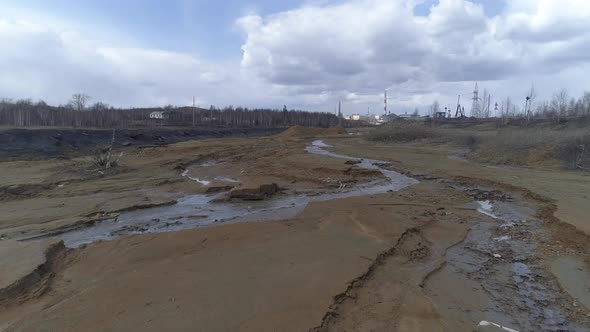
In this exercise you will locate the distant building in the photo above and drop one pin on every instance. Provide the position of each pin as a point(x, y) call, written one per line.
point(440, 115)
point(379, 120)
point(160, 115)
point(368, 118)
point(407, 116)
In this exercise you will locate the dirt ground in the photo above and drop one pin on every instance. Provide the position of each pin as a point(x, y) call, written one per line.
point(568, 190)
point(47, 196)
point(368, 263)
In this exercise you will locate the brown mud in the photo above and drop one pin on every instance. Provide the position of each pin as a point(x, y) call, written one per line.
point(467, 244)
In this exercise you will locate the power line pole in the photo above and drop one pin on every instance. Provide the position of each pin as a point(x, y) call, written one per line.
point(193, 111)
point(385, 104)
point(527, 111)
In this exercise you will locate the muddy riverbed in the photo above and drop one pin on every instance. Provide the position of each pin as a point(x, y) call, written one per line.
point(496, 276)
point(499, 269)
point(203, 209)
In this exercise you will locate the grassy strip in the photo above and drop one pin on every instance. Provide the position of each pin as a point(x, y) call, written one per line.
point(521, 146)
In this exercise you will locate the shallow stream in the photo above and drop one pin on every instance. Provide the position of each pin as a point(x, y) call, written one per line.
point(199, 210)
point(494, 275)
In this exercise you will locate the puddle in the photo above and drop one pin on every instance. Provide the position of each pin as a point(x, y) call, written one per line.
point(485, 207)
point(497, 327)
point(226, 179)
point(197, 210)
point(574, 277)
point(203, 182)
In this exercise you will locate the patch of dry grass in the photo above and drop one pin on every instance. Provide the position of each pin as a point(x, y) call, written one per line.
point(519, 146)
point(400, 132)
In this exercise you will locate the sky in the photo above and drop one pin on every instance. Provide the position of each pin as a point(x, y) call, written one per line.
point(306, 54)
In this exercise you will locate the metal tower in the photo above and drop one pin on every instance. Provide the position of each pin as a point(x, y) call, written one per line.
point(460, 112)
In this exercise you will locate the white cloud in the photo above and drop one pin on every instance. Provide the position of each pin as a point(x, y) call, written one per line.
point(362, 46)
point(40, 61)
point(313, 56)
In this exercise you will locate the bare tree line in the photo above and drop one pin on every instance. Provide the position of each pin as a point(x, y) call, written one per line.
point(77, 113)
point(560, 106)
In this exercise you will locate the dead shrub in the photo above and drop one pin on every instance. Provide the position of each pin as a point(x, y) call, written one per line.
point(105, 159)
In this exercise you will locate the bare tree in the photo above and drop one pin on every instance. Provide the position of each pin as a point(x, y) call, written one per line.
point(531, 96)
point(559, 104)
point(99, 106)
point(507, 110)
point(79, 101)
point(434, 108)
point(586, 102)
point(416, 112)
point(24, 113)
point(571, 107)
point(485, 108)
point(543, 109)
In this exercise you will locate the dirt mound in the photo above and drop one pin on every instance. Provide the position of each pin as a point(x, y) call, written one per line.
point(262, 192)
point(34, 283)
point(336, 130)
point(255, 194)
point(300, 131)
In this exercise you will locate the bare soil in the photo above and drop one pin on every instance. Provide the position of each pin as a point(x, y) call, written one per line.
point(370, 263)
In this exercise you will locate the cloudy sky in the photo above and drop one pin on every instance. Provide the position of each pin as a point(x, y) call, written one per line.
point(305, 54)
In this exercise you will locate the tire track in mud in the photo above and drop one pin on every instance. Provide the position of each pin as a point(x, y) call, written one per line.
point(420, 251)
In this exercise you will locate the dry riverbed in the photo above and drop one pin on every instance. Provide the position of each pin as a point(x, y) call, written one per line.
point(297, 240)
